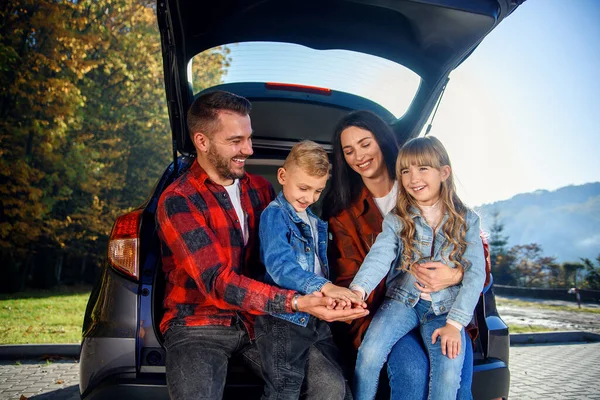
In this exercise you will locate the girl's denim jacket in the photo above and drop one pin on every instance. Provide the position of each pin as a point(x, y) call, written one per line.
point(458, 301)
point(287, 249)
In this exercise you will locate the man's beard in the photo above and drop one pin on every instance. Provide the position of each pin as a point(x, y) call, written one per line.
point(223, 165)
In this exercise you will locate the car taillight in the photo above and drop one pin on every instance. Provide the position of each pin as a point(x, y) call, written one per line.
point(291, 87)
point(123, 243)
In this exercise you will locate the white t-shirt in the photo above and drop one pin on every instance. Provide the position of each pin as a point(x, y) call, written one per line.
point(312, 223)
point(234, 195)
point(387, 202)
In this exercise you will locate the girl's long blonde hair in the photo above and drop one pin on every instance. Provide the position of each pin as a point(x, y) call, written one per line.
point(429, 151)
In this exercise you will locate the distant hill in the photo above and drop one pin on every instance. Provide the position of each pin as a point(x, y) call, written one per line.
point(566, 222)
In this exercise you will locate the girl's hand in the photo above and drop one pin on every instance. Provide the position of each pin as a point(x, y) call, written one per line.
point(342, 304)
point(435, 276)
point(451, 340)
point(359, 294)
point(344, 297)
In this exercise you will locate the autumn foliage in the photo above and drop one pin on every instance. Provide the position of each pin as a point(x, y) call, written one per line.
point(84, 130)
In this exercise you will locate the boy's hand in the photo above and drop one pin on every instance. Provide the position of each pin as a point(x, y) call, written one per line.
point(451, 340)
point(344, 296)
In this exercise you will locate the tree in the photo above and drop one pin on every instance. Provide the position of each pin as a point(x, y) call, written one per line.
point(499, 257)
point(84, 130)
point(592, 276)
point(570, 273)
point(530, 267)
point(40, 57)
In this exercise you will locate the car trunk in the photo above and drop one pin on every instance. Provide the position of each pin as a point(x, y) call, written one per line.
point(431, 37)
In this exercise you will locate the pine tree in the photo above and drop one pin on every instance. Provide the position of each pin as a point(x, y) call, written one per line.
point(499, 257)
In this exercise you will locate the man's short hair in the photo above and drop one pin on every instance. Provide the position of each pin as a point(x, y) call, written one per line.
point(311, 157)
point(203, 114)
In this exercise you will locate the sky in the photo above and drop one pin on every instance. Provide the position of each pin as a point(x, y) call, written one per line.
point(522, 113)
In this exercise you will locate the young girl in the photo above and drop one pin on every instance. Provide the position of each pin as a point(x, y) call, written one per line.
point(429, 223)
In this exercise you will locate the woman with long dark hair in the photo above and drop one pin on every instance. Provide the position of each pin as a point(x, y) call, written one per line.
point(362, 191)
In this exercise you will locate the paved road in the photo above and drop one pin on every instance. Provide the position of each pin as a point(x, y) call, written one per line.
point(39, 380)
point(569, 371)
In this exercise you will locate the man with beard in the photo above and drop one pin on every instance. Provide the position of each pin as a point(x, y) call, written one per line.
point(208, 226)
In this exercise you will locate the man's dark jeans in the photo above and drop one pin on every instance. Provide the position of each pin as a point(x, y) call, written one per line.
point(197, 358)
point(284, 348)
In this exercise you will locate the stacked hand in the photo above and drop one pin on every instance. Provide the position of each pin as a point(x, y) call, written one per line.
point(324, 307)
point(344, 297)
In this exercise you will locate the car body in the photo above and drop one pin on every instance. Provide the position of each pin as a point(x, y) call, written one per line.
point(122, 353)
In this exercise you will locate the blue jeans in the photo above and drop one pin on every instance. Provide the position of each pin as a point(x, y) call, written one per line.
point(408, 367)
point(284, 347)
point(393, 320)
point(197, 359)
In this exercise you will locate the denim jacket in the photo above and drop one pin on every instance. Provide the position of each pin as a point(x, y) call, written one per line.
point(288, 250)
point(458, 301)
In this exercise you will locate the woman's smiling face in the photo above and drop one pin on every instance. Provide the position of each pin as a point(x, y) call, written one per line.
point(362, 152)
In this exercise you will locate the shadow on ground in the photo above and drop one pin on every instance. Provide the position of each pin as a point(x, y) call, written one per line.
point(68, 393)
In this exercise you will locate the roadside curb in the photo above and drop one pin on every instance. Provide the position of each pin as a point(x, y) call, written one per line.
point(28, 351)
point(553, 337)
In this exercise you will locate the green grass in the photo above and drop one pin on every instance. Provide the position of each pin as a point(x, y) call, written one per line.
point(528, 328)
point(529, 304)
point(43, 316)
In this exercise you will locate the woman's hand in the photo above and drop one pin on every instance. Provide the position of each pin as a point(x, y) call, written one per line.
point(435, 276)
point(451, 340)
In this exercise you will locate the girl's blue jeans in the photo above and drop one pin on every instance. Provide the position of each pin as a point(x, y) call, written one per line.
point(393, 321)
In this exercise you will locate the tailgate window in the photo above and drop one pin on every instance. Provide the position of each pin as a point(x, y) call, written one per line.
point(387, 83)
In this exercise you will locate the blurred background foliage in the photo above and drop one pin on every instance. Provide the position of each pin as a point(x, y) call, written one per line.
point(84, 130)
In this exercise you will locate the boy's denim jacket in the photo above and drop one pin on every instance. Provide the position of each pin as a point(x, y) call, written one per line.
point(287, 249)
point(458, 301)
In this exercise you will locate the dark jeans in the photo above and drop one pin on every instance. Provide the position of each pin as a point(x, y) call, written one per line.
point(284, 349)
point(197, 358)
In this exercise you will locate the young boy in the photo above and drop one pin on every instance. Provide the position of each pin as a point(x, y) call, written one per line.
point(293, 247)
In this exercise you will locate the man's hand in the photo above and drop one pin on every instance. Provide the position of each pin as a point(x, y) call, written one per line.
point(344, 297)
point(435, 276)
point(451, 340)
point(320, 306)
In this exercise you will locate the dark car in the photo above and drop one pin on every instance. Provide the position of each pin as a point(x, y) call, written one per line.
point(121, 353)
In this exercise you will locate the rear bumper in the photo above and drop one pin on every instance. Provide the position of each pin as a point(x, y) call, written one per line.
point(491, 379)
point(101, 358)
point(154, 387)
point(124, 387)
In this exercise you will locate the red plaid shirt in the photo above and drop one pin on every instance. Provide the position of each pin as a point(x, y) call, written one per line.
point(206, 264)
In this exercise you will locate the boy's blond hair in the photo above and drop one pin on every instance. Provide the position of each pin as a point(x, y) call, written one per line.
point(311, 157)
